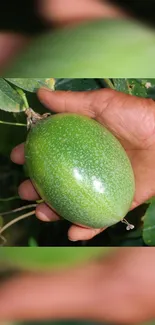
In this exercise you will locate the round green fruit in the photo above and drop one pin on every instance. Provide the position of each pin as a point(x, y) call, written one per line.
point(80, 169)
point(99, 48)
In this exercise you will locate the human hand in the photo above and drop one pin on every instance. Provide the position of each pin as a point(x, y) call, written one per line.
point(58, 13)
point(129, 118)
point(119, 288)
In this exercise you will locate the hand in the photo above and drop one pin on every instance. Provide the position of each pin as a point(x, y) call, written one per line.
point(129, 118)
point(117, 289)
point(59, 13)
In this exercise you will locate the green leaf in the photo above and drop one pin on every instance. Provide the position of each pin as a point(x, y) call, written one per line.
point(32, 242)
point(137, 87)
point(121, 85)
point(102, 48)
point(131, 86)
point(32, 84)
point(149, 225)
point(77, 84)
point(10, 100)
point(149, 85)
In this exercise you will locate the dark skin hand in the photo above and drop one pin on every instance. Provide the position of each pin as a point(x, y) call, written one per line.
point(117, 289)
point(129, 118)
point(60, 13)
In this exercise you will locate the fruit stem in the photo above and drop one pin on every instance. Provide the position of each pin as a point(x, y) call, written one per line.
point(9, 224)
point(129, 226)
point(33, 117)
point(12, 123)
point(23, 95)
point(19, 209)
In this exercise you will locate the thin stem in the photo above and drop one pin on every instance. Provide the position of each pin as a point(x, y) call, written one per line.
point(19, 209)
point(12, 123)
point(10, 198)
point(23, 95)
point(109, 83)
point(4, 240)
point(9, 224)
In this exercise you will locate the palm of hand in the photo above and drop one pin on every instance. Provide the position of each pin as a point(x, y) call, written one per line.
point(130, 119)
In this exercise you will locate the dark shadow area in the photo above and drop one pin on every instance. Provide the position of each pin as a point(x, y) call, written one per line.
point(140, 9)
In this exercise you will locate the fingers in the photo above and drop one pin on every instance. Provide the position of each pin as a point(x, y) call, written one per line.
point(124, 281)
point(63, 12)
point(63, 294)
point(67, 101)
point(76, 233)
point(17, 154)
point(27, 192)
point(10, 45)
point(44, 213)
point(116, 110)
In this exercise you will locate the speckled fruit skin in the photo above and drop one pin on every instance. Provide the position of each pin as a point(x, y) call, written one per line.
point(80, 169)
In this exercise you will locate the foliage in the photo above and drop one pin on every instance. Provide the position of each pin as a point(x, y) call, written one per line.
point(31, 231)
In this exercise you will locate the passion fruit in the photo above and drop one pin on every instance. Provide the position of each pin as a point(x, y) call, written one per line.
point(80, 170)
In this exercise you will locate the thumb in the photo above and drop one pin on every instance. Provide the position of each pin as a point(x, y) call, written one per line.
point(90, 103)
point(118, 111)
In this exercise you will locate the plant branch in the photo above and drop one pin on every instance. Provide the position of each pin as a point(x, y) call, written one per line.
point(12, 123)
point(19, 209)
point(10, 198)
point(9, 224)
point(109, 83)
point(23, 95)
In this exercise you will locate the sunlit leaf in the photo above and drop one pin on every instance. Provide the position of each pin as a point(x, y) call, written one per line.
point(10, 100)
point(32, 84)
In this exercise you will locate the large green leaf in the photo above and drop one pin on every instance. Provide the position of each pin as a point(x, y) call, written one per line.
point(32, 84)
point(131, 86)
point(99, 48)
point(10, 100)
point(77, 84)
point(35, 258)
point(137, 87)
point(149, 85)
point(121, 85)
point(149, 225)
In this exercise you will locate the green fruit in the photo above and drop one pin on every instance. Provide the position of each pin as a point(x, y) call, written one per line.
point(99, 48)
point(80, 169)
